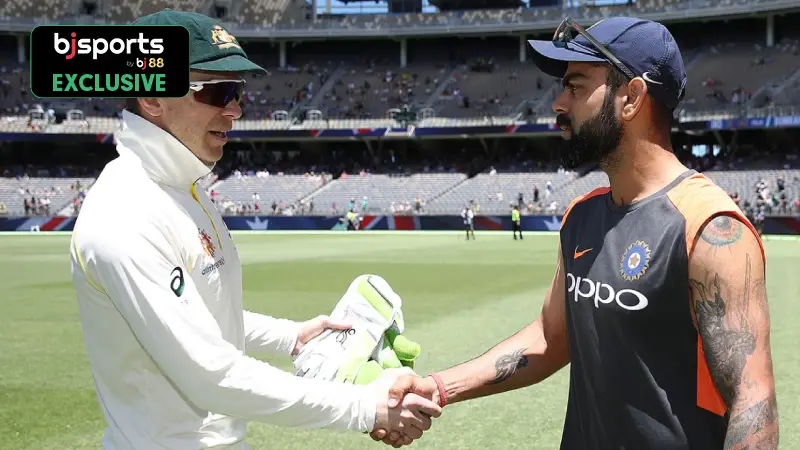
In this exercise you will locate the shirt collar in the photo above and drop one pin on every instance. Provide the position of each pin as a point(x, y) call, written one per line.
point(165, 159)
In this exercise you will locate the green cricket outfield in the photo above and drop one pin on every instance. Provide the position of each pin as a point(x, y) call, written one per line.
point(460, 298)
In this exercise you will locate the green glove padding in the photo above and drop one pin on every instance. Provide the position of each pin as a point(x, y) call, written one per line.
point(388, 358)
point(397, 351)
point(368, 373)
point(405, 349)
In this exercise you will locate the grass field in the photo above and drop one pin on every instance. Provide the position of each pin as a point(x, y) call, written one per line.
point(460, 299)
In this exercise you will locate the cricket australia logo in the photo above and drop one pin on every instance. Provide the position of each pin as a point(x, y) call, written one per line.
point(222, 38)
point(208, 246)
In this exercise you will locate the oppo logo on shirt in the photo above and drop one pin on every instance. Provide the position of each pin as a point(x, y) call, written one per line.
point(602, 293)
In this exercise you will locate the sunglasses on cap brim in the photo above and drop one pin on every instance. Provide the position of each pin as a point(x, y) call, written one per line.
point(568, 30)
point(217, 93)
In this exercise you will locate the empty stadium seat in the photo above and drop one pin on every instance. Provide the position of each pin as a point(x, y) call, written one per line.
point(13, 192)
point(384, 191)
point(495, 193)
point(279, 188)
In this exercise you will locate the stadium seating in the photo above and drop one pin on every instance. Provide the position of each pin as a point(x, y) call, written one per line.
point(384, 192)
point(13, 193)
point(286, 189)
point(359, 87)
point(36, 9)
point(790, 94)
point(280, 90)
point(743, 182)
point(268, 13)
point(579, 186)
point(126, 12)
point(363, 92)
point(711, 86)
point(464, 80)
point(370, 92)
point(495, 193)
point(496, 93)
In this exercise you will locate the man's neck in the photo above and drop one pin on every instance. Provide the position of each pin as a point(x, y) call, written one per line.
point(642, 170)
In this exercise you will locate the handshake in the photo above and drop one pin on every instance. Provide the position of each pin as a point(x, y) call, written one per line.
point(406, 405)
point(362, 343)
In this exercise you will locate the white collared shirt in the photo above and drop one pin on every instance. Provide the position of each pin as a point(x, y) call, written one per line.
point(159, 287)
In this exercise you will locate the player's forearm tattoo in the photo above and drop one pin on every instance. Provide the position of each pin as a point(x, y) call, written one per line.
point(722, 231)
point(755, 427)
point(507, 365)
point(729, 343)
point(729, 339)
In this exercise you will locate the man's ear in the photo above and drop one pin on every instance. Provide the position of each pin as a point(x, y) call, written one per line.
point(152, 106)
point(634, 100)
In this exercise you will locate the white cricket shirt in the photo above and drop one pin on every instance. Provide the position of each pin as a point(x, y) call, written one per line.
point(159, 287)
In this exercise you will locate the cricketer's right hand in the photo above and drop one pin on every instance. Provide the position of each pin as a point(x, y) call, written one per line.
point(405, 386)
point(409, 418)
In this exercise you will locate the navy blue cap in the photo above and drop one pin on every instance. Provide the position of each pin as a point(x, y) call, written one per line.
point(645, 47)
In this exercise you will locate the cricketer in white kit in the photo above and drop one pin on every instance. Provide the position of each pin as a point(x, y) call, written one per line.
point(159, 287)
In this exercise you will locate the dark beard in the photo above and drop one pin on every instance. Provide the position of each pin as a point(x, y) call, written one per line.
point(597, 140)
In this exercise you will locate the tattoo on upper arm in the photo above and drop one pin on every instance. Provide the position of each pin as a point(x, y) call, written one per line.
point(760, 294)
point(507, 365)
point(726, 312)
point(722, 231)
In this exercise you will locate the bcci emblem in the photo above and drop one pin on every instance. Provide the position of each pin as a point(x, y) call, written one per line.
point(208, 246)
point(635, 261)
point(222, 38)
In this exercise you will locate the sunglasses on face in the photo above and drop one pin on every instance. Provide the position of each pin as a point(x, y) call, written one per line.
point(568, 30)
point(217, 93)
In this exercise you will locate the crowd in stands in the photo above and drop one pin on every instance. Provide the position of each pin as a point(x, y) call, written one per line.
point(711, 86)
point(456, 78)
point(769, 197)
point(264, 188)
point(543, 195)
point(355, 83)
point(41, 196)
point(268, 14)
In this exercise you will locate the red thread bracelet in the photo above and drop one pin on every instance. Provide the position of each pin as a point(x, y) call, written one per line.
point(440, 386)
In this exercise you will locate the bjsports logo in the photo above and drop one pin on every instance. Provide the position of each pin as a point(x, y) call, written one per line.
point(109, 61)
point(101, 46)
point(604, 294)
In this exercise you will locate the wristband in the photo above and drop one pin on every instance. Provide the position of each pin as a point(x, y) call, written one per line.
point(440, 386)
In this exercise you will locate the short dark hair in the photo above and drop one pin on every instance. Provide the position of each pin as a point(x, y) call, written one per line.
point(132, 105)
point(662, 115)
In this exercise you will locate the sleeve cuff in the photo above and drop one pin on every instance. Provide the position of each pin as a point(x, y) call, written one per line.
point(367, 409)
point(289, 340)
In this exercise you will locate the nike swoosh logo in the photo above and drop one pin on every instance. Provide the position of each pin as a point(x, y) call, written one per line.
point(577, 254)
point(646, 77)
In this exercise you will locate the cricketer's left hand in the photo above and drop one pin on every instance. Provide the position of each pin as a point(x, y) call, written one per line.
point(314, 327)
